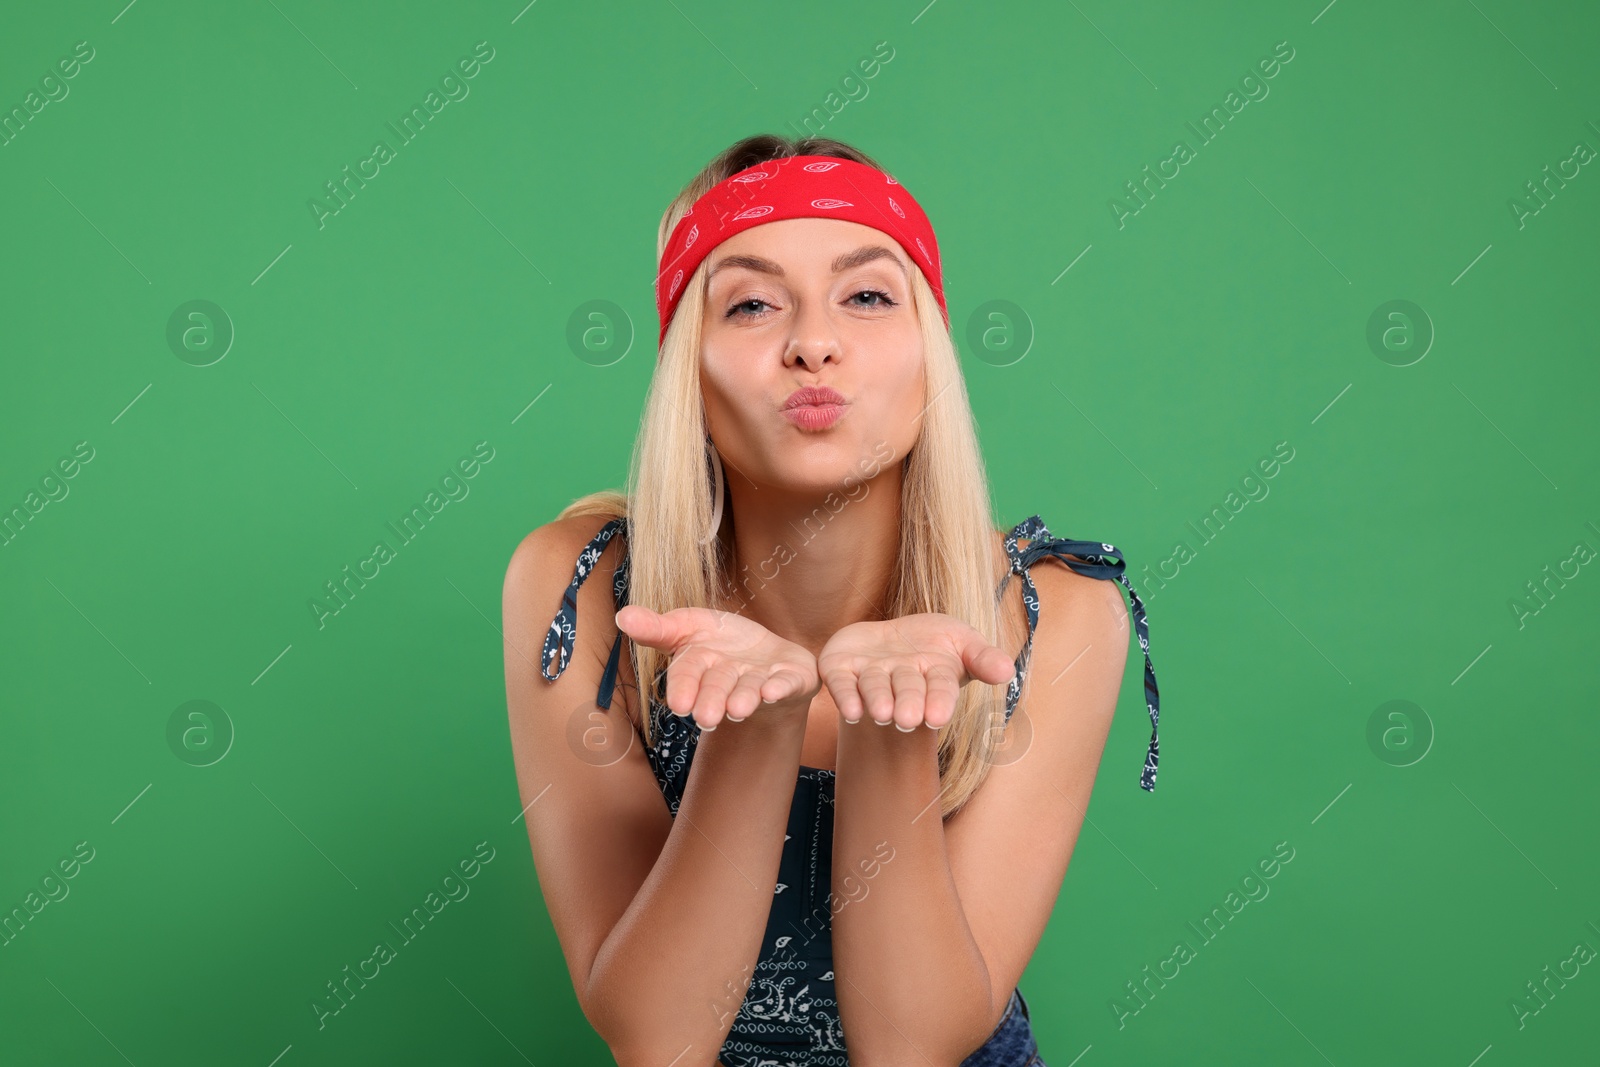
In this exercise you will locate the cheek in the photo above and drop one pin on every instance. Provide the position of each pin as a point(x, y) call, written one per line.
point(910, 368)
point(714, 388)
point(730, 389)
point(719, 363)
point(901, 395)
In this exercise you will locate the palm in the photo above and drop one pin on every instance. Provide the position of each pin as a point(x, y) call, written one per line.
point(908, 670)
point(722, 665)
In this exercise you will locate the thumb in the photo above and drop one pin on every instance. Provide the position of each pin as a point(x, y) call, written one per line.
point(647, 627)
point(985, 662)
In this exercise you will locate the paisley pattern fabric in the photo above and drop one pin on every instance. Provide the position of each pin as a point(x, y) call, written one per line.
point(790, 1014)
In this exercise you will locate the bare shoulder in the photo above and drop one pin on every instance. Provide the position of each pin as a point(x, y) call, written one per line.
point(542, 566)
point(1080, 655)
point(1072, 607)
point(552, 550)
point(1069, 601)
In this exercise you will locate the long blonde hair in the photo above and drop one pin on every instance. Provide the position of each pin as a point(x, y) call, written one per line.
point(946, 534)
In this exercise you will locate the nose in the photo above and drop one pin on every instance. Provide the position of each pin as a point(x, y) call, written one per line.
point(812, 339)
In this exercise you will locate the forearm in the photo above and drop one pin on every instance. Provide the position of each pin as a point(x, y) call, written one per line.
point(913, 987)
point(671, 975)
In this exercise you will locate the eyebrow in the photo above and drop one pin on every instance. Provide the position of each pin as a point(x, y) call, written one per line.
point(847, 261)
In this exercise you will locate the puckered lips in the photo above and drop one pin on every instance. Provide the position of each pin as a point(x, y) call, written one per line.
point(814, 407)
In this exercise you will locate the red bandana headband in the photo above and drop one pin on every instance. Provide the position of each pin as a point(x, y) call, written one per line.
point(795, 187)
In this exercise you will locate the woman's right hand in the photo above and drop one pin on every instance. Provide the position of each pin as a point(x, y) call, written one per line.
point(722, 665)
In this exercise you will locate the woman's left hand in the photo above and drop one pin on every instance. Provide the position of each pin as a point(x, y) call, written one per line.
point(909, 670)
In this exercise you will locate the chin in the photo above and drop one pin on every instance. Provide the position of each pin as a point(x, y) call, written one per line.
point(833, 462)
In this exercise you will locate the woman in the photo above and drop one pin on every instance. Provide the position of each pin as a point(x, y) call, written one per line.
point(810, 550)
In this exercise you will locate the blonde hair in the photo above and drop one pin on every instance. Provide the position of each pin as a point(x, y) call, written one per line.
point(946, 536)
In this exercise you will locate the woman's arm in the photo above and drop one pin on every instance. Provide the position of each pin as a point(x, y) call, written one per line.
point(660, 920)
point(927, 959)
point(911, 980)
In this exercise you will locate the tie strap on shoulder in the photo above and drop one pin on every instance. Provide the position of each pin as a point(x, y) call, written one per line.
point(563, 632)
point(1097, 560)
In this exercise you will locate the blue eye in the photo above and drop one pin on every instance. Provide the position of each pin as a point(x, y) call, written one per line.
point(884, 300)
point(734, 310)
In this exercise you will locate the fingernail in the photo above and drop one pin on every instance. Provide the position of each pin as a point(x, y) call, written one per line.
point(707, 729)
point(904, 729)
point(929, 725)
point(881, 722)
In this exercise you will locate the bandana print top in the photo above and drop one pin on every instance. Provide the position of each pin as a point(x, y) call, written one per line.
point(790, 1015)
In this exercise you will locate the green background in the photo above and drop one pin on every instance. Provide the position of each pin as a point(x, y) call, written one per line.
point(1231, 313)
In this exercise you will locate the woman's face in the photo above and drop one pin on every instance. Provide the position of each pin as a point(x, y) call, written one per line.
point(818, 303)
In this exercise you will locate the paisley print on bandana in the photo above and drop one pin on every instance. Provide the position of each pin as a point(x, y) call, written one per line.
point(795, 187)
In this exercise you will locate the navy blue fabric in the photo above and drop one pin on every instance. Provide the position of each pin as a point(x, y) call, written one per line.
point(790, 1014)
point(1012, 1043)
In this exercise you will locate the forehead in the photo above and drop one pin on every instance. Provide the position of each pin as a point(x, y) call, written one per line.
point(806, 244)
